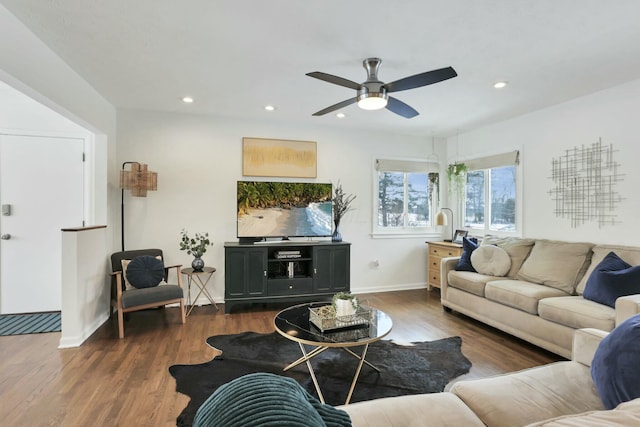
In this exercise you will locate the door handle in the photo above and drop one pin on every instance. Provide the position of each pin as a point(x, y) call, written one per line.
point(5, 236)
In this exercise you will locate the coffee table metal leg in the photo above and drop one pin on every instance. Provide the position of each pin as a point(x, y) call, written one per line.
point(357, 374)
point(305, 356)
point(360, 357)
point(311, 371)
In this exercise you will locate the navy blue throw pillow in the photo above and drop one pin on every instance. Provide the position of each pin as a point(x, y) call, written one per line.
point(615, 368)
point(612, 278)
point(145, 272)
point(468, 246)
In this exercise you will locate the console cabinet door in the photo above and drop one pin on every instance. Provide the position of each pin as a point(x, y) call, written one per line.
point(245, 272)
point(331, 268)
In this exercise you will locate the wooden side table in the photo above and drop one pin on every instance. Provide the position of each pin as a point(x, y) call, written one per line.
point(437, 251)
point(206, 274)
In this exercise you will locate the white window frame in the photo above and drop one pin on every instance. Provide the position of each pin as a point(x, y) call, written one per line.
point(404, 166)
point(486, 164)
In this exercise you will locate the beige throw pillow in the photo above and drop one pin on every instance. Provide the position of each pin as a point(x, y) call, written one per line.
point(556, 264)
point(491, 260)
point(517, 248)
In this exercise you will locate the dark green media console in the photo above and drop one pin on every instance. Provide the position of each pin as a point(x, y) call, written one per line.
point(284, 271)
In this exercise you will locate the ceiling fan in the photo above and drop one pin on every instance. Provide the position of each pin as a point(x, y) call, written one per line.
point(374, 94)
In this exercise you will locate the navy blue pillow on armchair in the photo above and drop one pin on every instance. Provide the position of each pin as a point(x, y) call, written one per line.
point(468, 246)
point(615, 368)
point(612, 278)
point(145, 272)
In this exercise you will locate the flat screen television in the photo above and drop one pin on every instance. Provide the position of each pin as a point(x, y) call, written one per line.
point(283, 209)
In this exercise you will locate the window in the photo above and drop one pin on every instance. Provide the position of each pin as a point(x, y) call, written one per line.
point(405, 195)
point(491, 194)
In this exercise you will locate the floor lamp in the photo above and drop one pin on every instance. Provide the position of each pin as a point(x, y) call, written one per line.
point(138, 180)
point(441, 219)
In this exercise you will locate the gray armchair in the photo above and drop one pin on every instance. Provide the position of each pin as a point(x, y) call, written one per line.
point(148, 290)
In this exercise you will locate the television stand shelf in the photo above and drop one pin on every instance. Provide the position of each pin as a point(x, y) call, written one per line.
point(307, 271)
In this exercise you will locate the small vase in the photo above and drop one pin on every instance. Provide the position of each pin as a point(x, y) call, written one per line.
point(197, 264)
point(344, 308)
point(336, 236)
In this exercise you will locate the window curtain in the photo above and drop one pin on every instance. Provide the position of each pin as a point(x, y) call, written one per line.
point(389, 165)
point(499, 160)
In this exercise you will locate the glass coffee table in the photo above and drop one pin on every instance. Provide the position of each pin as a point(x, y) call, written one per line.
point(293, 323)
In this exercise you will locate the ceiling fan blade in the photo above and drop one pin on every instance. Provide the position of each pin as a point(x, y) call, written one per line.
point(335, 107)
point(334, 79)
point(400, 108)
point(422, 79)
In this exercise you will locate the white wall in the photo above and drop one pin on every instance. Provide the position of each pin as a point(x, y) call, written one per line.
point(199, 160)
point(543, 135)
point(29, 66)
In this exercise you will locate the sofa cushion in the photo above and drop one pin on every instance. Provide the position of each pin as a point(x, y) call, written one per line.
point(615, 368)
point(531, 395)
point(470, 282)
point(519, 294)
point(464, 263)
point(557, 264)
point(491, 260)
point(625, 415)
point(433, 410)
point(629, 254)
point(612, 278)
point(517, 248)
point(577, 312)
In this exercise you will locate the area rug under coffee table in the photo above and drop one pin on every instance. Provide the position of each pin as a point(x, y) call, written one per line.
point(424, 367)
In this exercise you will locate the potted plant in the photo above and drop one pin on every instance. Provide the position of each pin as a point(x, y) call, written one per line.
point(341, 205)
point(195, 246)
point(457, 176)
point(345, 304)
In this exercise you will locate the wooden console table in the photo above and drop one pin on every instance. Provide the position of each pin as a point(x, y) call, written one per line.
point(437, 251)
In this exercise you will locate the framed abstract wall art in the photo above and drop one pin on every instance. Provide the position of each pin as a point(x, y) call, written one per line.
point(279, 158)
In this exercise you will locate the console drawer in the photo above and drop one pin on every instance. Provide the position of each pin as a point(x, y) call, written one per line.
point(293, 286)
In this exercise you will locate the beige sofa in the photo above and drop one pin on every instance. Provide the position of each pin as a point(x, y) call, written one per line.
point(554, 395)
point(540, 298)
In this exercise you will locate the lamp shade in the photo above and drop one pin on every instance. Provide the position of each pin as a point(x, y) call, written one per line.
point(441, 219)
point(138, 180)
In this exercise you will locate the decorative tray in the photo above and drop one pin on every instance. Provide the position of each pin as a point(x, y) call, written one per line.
point(325, 319)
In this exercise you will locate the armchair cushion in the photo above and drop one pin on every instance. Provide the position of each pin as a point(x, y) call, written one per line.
point(144, 272)
point(158, 294)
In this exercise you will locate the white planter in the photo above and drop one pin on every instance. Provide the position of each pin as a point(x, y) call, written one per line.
point(344, 308)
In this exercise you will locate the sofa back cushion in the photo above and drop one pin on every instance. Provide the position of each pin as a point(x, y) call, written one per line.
point(557, 264)
point(518, 250)
point(629, 254)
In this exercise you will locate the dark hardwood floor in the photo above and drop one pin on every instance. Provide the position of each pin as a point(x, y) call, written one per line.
point(126, 382)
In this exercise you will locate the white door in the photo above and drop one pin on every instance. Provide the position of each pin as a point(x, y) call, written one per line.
point(41, 192)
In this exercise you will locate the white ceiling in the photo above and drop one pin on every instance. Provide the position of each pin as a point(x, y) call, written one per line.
point(236, 56)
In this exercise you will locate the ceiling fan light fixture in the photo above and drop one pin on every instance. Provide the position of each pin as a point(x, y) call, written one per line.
point(372, 100)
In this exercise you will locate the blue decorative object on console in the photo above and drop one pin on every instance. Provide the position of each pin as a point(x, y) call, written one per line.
point(615, 368)
point(611, 279)
point(468, 246)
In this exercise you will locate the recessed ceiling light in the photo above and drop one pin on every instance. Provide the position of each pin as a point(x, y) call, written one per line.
point(500, 85)
point(341, 115)
point(269, 107)
point(187, 100)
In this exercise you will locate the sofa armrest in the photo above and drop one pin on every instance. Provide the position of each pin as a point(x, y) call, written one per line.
point(446, 265)
point(627, 307)
point(585, 344)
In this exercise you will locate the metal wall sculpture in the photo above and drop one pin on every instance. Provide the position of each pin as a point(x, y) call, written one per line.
point(584, 181)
